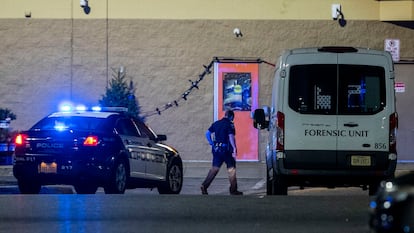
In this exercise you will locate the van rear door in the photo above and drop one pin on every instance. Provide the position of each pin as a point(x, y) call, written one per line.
point(363, 119)
point(311, 121)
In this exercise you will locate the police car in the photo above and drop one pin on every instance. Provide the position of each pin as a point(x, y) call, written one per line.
point(95, 148)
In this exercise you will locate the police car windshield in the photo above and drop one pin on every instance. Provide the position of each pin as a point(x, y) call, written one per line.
point(73, 122)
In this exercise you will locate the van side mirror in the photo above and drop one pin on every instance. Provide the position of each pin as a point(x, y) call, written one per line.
point(259, 119)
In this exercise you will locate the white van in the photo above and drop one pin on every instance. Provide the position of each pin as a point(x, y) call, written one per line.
point(332, 121)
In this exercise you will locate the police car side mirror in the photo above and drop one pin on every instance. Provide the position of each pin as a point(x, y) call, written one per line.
point(161, 137)
point(259, 119)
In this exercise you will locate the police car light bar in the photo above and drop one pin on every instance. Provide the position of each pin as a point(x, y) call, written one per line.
point(114, 109)
point(69, 107)
point(96, 108)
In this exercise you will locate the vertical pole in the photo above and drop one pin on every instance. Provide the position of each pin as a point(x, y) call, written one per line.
point(71, 53)
point(107, 45)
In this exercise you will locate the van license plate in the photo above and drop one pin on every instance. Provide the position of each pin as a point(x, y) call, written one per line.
point(47, 167)
point(359, 160)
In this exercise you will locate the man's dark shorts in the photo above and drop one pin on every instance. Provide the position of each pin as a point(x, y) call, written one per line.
point(223, 157)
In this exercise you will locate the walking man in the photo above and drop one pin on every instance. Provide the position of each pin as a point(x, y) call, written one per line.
point(221, 136)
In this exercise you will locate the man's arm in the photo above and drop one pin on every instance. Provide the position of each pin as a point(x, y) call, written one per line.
point(232, 140)
point(208, 137)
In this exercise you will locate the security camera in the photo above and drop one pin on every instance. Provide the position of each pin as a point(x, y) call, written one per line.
point(237, 32)
point(83, 3)
point(336, 11)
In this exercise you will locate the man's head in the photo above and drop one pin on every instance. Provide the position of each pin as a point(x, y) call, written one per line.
point(229, 114)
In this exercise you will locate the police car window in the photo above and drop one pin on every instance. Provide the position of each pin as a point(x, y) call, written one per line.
point(312, 88)
point(73, 122)
point(361, 89)
point(145, 132)
point(125, 126)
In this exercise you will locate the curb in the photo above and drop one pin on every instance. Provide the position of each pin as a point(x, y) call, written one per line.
point(248, 170)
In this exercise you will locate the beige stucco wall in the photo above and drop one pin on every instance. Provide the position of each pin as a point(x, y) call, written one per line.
point(197, 9)
point(45, 61)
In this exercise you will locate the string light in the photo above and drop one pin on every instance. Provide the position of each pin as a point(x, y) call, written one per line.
point(195, 84)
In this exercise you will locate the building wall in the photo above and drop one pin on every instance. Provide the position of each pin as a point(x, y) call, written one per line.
point(52, 51)
point(45, 61)
point(200, 9)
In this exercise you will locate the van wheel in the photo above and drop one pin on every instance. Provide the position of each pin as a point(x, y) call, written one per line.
point(269, 186)
point(373, 188)
point(276, 186)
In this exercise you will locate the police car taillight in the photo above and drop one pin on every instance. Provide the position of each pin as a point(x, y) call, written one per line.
point(91, 141)
point(20, 139)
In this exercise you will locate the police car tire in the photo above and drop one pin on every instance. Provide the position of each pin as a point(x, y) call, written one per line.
point(118, 180)
point(174, 179)
point(29, 186)
point(83, 187)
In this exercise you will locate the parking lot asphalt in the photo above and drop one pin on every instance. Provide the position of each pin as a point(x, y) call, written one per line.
point(250, 181)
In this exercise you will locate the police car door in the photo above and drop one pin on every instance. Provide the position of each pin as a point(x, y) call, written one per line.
point(156, 159)
point(131, 140)
point(309, 111)
point(363, 118)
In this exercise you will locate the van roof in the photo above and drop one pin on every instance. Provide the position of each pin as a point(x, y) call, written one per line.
point(341, 49)
point(337, 49)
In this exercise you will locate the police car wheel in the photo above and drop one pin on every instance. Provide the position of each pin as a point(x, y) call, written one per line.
point(28, 187)
point(174, 179)
point(85, 188)
point(118, 181)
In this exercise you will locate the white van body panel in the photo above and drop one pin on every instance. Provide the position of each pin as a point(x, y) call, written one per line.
point(371, 132)
point(330, 120)
point(297, 126)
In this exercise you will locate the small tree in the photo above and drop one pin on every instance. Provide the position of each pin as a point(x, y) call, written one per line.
point(6, 115)
point(121, 94)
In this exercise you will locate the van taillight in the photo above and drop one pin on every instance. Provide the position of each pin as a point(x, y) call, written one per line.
point(393, 132)
point(280, 131)
point(91, 141)
point(20, 139)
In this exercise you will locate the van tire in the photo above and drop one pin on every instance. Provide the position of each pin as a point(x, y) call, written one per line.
point(280, 186)
point(269, 186)
point(373, 188)
point(276, 186)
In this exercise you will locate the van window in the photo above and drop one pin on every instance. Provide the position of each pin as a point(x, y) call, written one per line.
point(330, 89)
point(361, 89)
point(312, 89)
